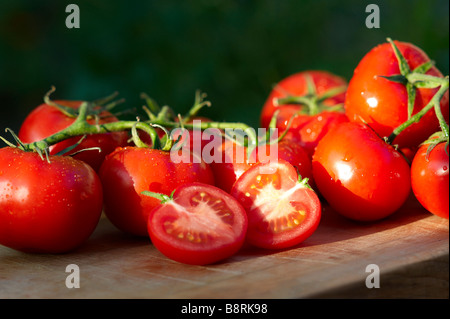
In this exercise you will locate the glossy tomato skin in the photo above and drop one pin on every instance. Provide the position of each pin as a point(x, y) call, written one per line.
point(359, 175)
point(128, 171)
point(429, 179)
point(383, 104)
point(46, 120)
point(195, 137)
point(46, 207)
point(201, 225)
point(296, 85)
point(281, 211)
point(233, 163)
point(235, 160)
point(306, 130)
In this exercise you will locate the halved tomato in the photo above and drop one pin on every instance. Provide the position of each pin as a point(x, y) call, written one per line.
point(200, 224)
point(282, 209)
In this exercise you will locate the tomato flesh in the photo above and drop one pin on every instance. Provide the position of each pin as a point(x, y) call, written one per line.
point(281, 211)
point(201, 225)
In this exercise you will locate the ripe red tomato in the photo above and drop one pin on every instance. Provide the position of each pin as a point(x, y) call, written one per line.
point(360, 176)
point(46, 120)
point(308, 126)
point(281, 210)
point(232, 163)
point(429, 179)
point(297, 85)
point(128, 171)
point(235, 161)
point(201, 225)
point(195, 137)
point(383, 104)
point(306, 130)
point(46, 207)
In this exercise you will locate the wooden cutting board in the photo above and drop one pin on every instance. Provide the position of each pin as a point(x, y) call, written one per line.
point(410, 249)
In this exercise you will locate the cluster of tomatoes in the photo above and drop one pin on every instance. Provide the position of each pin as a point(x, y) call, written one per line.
point(356, 147)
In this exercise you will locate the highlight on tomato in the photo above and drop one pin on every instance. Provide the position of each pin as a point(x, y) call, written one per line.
point(198, 224)
point(389, 86)
point(360, 175)
point(282, 210)
point(46, 206)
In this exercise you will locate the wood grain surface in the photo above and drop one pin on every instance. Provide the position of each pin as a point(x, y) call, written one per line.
point(410, 249)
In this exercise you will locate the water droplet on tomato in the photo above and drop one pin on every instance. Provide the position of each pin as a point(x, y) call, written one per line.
point(445, 168)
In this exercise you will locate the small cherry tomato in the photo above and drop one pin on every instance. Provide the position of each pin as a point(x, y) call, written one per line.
point(282, 211)
point(128, 171)
point(359, 174)
point(429, 179)
point(46, 207)
point(201, 224)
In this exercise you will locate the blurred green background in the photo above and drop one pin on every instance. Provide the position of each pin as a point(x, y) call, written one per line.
point(232, 50)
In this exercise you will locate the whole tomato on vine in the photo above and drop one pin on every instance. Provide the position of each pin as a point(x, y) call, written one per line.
point(388, 88)
point(307, 104)
point(54, 116)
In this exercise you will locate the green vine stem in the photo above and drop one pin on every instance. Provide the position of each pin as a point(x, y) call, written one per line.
point(434, 102)
point(314, 103)
point(163, 119)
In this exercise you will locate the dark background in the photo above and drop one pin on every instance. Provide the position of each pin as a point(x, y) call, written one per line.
point(232, 50)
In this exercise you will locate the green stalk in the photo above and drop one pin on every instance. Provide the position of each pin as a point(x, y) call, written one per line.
point(434, 102)
point(81, 127)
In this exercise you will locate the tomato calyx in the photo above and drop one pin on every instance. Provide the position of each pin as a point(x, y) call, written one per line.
point(163, 198)
point(413, 80)
point(312, 101)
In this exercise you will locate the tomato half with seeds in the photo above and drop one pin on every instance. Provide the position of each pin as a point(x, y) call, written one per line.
point(282, 211)
point(429, 178)
point(201, 224)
